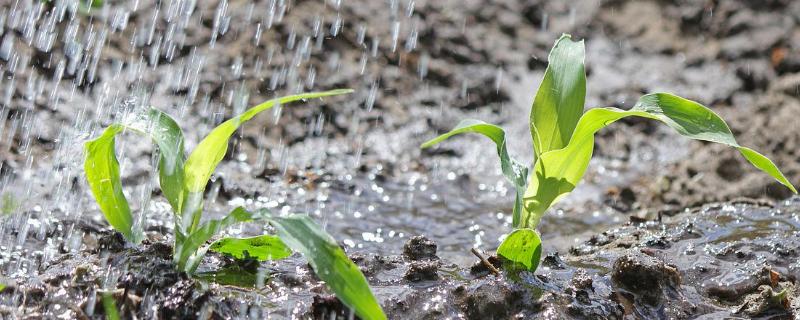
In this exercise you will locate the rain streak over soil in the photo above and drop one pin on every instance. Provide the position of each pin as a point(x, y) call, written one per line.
point(662, 227)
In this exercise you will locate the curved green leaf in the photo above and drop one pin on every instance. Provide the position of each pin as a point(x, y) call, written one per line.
point(514, 172)
point(330, 263)
point(261, 248)
point(166, 133)
point(102, 168)
point(210, 151)
point(301, 234)
point(559, 101)
point(557, 172)
point(523, 247)
point(102, 173)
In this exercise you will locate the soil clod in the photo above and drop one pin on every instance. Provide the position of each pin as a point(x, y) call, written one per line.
point(646, 277)
point(419, 248)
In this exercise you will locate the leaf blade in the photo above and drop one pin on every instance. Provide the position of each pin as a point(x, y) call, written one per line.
point(560, 98)
point(330, 263)
point(102, 173)
point(204, 159)
point(560, 170)
point(261, 248)
point(522, 247)
point(164, 131)
point(513, 171)
point(210, 151)
point(102, 167)
point(188, 253)
point(110, 306)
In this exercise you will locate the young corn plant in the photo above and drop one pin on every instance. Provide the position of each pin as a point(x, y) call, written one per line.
point(563, 141)
point(183, 181)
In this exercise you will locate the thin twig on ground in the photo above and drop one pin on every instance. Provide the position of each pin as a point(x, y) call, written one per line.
point(485, 262)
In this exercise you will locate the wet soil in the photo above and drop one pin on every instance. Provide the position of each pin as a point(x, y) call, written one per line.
point(722, 260)
point(623, 244)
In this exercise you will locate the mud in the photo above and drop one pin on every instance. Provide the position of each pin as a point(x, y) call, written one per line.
point(732, 260)
point(621, 245)
point(715, 261)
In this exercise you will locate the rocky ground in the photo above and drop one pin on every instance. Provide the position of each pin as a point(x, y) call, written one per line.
point(418, 67)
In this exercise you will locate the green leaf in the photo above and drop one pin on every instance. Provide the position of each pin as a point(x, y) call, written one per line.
point(102, 168)
point(514, 172)
point(262, 248)
point(188, 253)
point(167, 135)
point(210, 151)
point(300, 233)
point(102, 173)
point(523, 247)
point(110, 306)
point(557, 172)
point(559, 101)
point(330, 263)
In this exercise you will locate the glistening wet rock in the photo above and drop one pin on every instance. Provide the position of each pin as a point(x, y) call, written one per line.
point(646, 277)
point(419, 248)
point(423, 270)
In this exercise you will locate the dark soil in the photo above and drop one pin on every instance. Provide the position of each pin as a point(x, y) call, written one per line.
point(724, 260)
point(623, 245)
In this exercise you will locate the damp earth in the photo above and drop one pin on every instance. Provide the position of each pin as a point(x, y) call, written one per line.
point(661, 227)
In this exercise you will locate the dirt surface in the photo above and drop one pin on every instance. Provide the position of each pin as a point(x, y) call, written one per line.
point(722, 260)
point(418, 67)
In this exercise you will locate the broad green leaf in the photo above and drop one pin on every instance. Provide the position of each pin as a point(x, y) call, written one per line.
point(559, 101)
point(559, 171)
point(330, 263)
point(2, 287)
point(102, 173)
point(514, 172)
point(210, 151)
point(262, 248)
point(102, 168)
point(522, 247)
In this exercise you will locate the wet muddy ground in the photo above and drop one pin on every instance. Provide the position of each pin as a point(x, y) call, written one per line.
point(651, 213)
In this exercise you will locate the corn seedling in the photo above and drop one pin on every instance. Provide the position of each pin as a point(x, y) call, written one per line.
point(563, 141)
point(183, 181)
